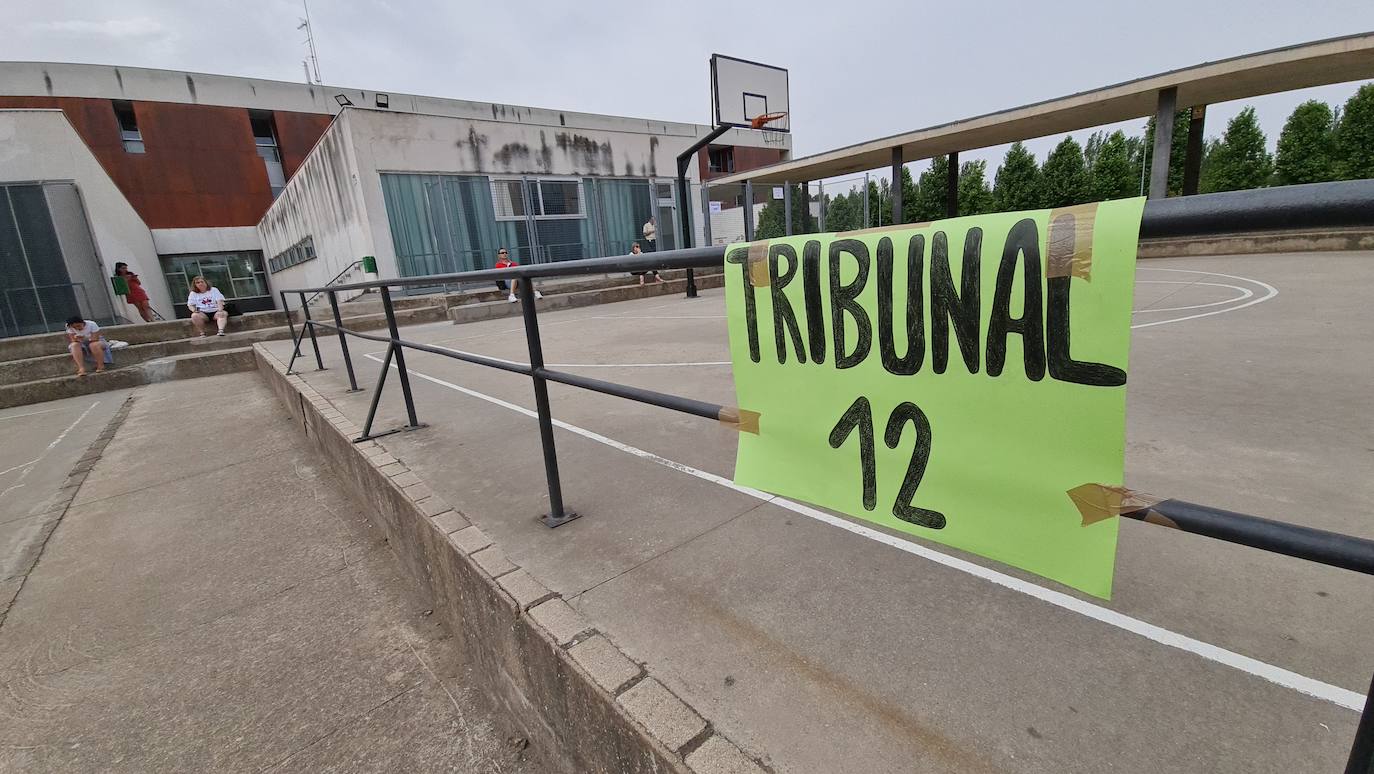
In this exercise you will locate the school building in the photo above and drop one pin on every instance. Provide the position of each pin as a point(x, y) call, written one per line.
point(259, 184)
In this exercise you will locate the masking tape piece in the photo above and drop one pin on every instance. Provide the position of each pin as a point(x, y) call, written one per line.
point(758, 264)
point(743, 420)
point(1070, 241)
point(1099, 502)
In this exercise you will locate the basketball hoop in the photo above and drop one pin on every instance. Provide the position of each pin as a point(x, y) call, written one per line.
point(759, 122)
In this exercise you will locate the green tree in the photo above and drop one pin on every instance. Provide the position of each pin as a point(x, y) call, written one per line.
point(844, 212)
point(1307, 145)
point(1355, 136)
point(975, 197)
point(771, 223)
point(1064, 178)
point(1178, 149)
point(1113, 176)
point(1016, 185)
point(929, 201)
point(1093, 148)
point(1240, 161)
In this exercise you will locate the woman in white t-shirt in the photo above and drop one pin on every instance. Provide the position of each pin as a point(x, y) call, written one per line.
point(205, 302)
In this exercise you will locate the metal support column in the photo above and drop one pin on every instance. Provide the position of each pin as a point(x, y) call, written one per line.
point(748, 211)
point(343, 341)
point(787, 208)
point(1164, 140)
point(805, 208)
point(556, 516)
point(706, 215)
point(820, 206)
point(684, 196)
point(897, 185)
point(309, 328)
point(952, 187)
point(1192, 162)
point(865, 200)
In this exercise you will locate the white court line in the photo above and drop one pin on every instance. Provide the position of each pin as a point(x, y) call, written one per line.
point(1270, 292)
point(33, 413)
point(1244, 294)
point(28, 466)
point(1278, 675)
point(25, 465)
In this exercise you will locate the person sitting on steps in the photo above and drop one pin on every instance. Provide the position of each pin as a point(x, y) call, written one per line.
point(205, 301)
point(504, 261)
point(85, 340)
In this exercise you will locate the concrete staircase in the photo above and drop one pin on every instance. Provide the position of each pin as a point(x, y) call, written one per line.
point(34, 369)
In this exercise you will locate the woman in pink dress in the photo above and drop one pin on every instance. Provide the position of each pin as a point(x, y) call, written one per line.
point(137, 296)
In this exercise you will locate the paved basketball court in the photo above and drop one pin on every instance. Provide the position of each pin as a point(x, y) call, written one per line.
point(823, 644)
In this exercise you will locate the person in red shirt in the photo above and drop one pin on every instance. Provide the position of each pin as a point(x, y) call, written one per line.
point(504, 261)
point(137, 296)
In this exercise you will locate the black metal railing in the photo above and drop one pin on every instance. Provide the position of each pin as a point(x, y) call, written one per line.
point(1323, 205)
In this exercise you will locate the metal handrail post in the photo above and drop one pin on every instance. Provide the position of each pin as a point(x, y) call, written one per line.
point(377, 397)
point(401, 357)
point(1362, 749)
point(343, 341)
point(556, 516)
point(295, 340)
point(310, 327)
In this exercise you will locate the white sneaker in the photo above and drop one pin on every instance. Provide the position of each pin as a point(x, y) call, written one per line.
point(511, 298)
point(537, 294)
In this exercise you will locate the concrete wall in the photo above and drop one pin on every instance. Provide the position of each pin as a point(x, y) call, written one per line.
point(138, 83)
point(336, 197)
point(176, 241)
point(323, 201)
point(42, 145)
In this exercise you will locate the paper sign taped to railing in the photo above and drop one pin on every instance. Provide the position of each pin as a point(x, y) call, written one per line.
point(951, 380)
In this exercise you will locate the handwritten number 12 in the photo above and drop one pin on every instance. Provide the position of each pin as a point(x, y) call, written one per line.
point(860, 415)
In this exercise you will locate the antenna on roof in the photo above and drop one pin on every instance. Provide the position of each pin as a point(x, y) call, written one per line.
point(309, 41)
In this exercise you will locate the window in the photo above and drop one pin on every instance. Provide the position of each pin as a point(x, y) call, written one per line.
point(238, 275)
point(265, 138)
point(300, 252)
point(128, 126)
point(720, 158)
point(548, 198)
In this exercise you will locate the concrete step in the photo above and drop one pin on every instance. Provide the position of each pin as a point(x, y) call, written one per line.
point(43, 344)
point(190, 366)
point(60, 364)
point(490, 310)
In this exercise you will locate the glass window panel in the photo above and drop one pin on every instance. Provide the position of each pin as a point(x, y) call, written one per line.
point(507, 197)
point(561, 197)
point(179, 285)
point(246, 288)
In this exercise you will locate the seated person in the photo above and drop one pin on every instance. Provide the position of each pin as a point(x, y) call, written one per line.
point(205, 302)
point(85, 340)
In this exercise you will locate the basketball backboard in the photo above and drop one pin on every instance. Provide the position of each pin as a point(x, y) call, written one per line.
point(742, 90)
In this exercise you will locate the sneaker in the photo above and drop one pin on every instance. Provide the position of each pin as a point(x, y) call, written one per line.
point(511, 298)
point(537, 294)
point(221, 333)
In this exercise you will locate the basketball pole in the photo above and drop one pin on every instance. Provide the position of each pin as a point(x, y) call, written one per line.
point(684, 210)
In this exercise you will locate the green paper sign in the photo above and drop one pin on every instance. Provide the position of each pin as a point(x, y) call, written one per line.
point(950, 380)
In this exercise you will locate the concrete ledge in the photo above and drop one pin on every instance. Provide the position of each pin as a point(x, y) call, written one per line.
point(491, 310)
point(225, 361)
point(1328, 240)
point(566, 686)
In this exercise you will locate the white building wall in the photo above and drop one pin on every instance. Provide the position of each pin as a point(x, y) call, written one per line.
point(179, 241)
point(323, 201)
point(336, 197)
point(42, 146)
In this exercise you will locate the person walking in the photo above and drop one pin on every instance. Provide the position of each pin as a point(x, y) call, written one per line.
point(650, 235)
point(137, 296)
point(206, 302)
point(504, 261)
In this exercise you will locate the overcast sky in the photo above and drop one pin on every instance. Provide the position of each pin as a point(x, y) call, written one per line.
point(859, 69)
